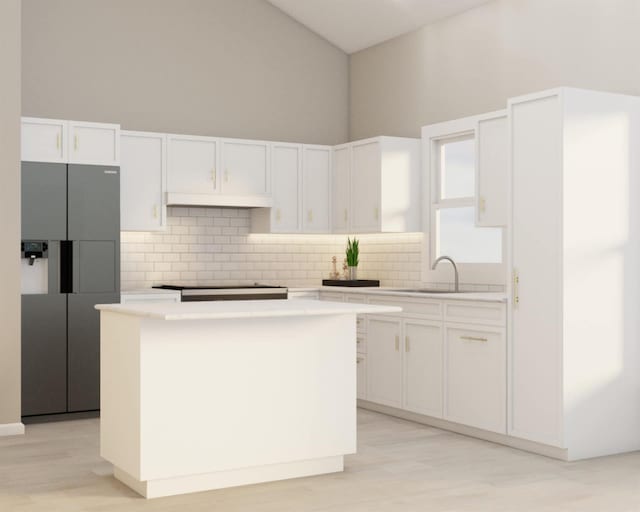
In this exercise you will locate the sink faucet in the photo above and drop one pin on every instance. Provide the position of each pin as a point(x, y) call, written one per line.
point(455, 269)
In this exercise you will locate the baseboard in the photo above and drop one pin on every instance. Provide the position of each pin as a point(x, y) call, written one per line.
point(513, 442)
point(65, 416)
point(11, 429)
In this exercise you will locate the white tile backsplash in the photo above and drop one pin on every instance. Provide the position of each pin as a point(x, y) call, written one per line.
point(214, 246)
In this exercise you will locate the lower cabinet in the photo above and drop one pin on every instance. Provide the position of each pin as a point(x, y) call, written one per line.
point(361, 360)
point(476, 378)
point(384, 361)
point(423, 372)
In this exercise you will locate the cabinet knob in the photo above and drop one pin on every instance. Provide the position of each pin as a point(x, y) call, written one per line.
point(397, 343)
point(155, 211)
point(358, 360)
point(483, 205)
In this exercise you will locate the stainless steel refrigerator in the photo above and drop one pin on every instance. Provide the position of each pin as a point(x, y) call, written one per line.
point(71, 261)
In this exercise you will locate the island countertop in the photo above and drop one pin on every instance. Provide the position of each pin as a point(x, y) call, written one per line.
point(242, 309)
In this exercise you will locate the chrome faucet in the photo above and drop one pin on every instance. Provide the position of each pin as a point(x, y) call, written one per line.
point(455, 269)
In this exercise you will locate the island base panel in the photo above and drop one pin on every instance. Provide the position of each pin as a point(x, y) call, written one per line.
point(221, 479)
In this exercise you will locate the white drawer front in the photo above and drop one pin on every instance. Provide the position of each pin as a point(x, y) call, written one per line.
point(484, 313)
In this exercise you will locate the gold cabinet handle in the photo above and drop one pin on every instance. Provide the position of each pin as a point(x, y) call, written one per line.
point(310, 215)
point(213, 177)
point(278, 216)
point(75, 143)
point(376, 213)
point(58, 141)
point(345, 215)
point(407, 346)
point(226, 175)
point(397, 343)
point(155, 211)
point(474, 338)
point(483, 205)
point(516, 289)
point(358, 360)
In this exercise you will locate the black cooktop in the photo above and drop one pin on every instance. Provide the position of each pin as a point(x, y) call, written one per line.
point(213, 287)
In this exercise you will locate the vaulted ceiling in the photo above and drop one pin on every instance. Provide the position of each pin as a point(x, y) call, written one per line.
point(353, 25)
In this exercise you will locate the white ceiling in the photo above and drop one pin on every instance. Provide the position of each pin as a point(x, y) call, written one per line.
point(353, 25)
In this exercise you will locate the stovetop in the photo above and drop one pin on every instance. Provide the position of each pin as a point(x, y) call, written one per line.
point(214, 287)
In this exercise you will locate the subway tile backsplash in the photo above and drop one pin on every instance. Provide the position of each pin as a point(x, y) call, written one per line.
point(214, 246)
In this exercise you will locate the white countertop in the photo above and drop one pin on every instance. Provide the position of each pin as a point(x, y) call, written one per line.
point(242, 309)
point(478, 296)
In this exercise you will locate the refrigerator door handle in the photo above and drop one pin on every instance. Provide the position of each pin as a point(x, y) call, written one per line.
point(66, 266)
point(75, 264)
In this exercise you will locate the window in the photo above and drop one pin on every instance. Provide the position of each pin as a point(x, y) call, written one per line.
point(453, 206)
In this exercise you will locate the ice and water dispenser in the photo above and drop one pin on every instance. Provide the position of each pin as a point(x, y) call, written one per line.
point(35, 266)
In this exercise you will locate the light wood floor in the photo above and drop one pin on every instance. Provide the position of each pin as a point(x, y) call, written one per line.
point(400, 466)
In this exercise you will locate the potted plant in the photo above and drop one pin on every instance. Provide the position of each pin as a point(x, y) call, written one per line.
point(352, 258)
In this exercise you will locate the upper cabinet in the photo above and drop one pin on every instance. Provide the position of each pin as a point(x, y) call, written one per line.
point(94, 143)
point(76, 142)
point(492, 169)
point(44, 140)
point(192, 164)
point(316, 189)
point(300, 185)
point(245, 167)
point(142, 181)
point(340, 188)
point(376, 186)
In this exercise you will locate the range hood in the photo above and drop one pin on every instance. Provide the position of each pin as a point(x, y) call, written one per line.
point(228, 200)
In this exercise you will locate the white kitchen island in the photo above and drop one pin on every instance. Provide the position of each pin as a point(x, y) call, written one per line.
point(206, 395)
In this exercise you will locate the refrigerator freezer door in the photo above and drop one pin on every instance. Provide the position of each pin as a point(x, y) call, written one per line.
point(44, 201)
point(84, 350)
point(44, 354)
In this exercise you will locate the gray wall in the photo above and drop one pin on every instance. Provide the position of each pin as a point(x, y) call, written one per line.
point(236, 68)
point(473, 62)
point(10, 211)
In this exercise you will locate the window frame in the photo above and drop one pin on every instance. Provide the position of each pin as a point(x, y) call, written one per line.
point(470, 273)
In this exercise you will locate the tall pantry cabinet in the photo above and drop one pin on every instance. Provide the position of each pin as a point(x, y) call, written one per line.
point(574, 378)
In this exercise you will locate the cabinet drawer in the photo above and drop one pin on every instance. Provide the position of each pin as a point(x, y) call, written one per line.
point(476, 376)
point(425, 308)
point(483, 313)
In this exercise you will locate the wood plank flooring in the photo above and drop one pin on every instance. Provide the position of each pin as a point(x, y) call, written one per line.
point(400, 466)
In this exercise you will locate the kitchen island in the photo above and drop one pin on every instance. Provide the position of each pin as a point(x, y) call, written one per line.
point(206, 395)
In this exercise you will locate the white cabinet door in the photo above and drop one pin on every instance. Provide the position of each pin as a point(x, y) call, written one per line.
point(316, 183)
point(384, 361)
point(192, 164)
point(94, 143)
point(44, 140)
point(365, 187)
point(142, 181)
point(476, 377)
point(285, 167)
point(340, 187)
point(245, 167)
point(492, 170)
point(536, 348)
point(423, 367)
point(361, 384)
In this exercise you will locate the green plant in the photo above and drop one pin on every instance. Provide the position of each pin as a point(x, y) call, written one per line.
point(353, 252)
